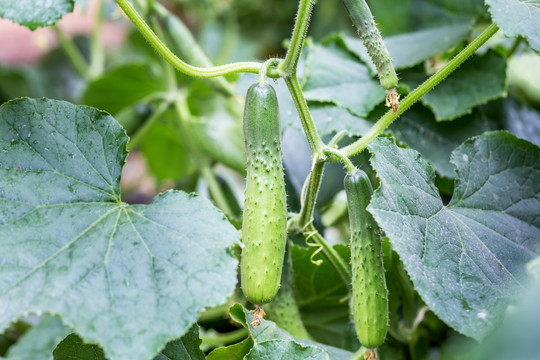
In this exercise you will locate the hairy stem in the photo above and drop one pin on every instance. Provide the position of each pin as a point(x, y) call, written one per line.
point(420, 91)
point(315, 143)
point(301, 25)
point(163, 50)
point(310, 197)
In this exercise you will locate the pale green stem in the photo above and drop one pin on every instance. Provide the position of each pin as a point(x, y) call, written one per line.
point(163, 50)
point(97, 54)
point(72, 53)
point(420, 91)
point(301, 25)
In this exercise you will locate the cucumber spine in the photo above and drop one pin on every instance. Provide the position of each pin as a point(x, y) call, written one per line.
point(264, 227)
point(369, 292)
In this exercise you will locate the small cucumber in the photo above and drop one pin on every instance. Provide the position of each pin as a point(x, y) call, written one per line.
point(367, 30)
point(369, 292)
point(264, 227)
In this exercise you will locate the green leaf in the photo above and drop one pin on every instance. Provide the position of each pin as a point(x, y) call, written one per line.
point(334, 76)
point(466, 259)
point(129, 278)
point(436, 140)
point(518, 17)
point(522, 121)
point(164, 149)
point(40, 341)
point(232, 352)
point(185, 348)
point(35, 13)
point(73, 347)
point(478, 80)
point(122, 87)
point(283, 349)
point(268, 331)
point(412, 48)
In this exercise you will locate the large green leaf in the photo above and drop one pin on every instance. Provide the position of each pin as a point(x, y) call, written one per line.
point(412, 48)
point(478, 80)
point(185, 348)
point(35, 13)
point(466, 259)
point(334, 76)
point(436, 140)
point(40, 341)
point(518, 17)
point(130, 278)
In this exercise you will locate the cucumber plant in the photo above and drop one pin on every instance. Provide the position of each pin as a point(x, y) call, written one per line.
point(455, 168)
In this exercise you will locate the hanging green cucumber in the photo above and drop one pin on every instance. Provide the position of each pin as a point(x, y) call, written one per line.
point(369, 292)
point(362, 19)
point(264, 226)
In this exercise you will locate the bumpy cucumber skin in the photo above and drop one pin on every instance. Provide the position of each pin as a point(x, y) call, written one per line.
point(264, 228)
point(369, 292)
point(369, 33)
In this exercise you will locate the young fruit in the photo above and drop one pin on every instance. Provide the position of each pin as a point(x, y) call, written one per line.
point(369, 33)
point(264, 227)
point(369, 292)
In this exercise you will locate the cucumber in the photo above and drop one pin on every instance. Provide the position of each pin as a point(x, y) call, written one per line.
point(369, 292)
point(264, 227)
point(362, 19)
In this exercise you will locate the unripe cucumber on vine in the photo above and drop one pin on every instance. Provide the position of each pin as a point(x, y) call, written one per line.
point(369, 304)
point(362, 19)
point(264, 226)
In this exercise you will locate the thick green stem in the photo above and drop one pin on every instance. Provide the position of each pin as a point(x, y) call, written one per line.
point(420, 91)
point(73, 53)
point(97, 54)
point(314, 140)
point(139, 135)
point(310, 197)
point(163, 50)
point(301, 25)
